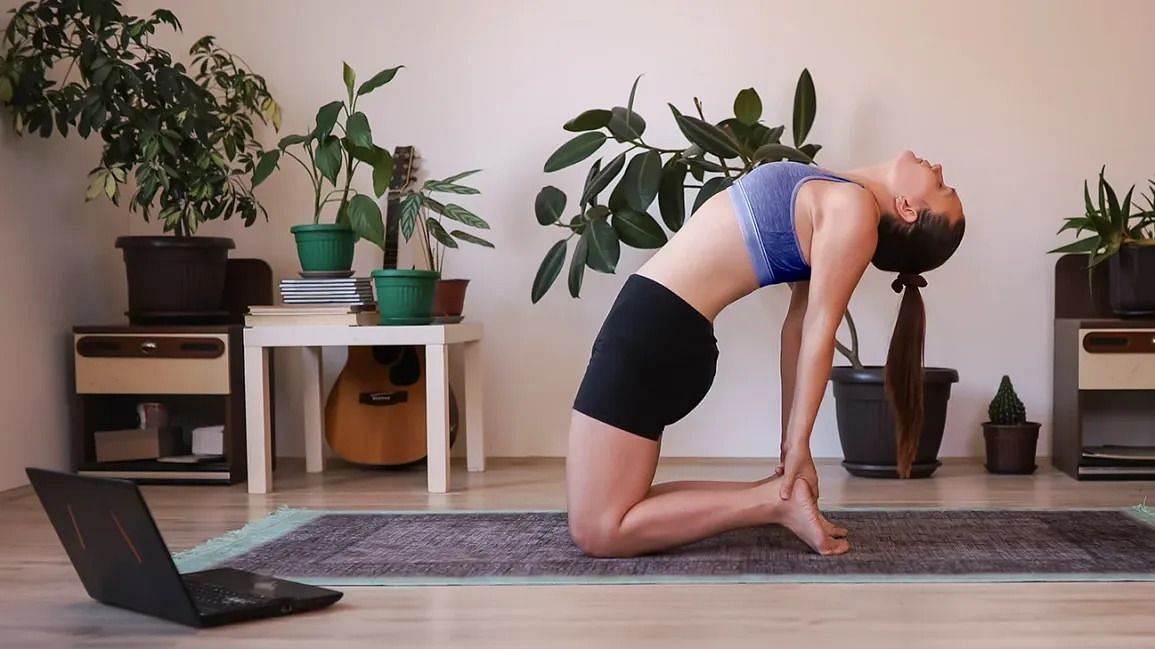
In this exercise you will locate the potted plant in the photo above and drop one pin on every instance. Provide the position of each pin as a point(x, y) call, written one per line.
point(1011, 440)
point(339, 142)
point(1123, 237)
point(717, 154)
point(435, 238)
point(184, 135)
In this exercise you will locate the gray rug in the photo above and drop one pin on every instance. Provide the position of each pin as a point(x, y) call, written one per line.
point(430, 548)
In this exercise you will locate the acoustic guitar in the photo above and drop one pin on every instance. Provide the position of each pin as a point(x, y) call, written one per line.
point(375, 414)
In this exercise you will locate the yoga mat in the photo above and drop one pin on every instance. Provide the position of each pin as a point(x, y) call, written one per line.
point(393, 548)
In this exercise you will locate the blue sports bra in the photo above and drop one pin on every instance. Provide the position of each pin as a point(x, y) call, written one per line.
point(764, 202)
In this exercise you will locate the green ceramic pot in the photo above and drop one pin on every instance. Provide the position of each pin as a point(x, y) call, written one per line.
point(405, 296)
point(324, 246)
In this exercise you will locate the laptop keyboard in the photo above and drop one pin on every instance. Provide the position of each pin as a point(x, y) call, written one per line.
point(210, 598)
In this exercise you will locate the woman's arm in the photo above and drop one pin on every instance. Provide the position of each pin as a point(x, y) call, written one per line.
point(791, 340)
point(839, 254)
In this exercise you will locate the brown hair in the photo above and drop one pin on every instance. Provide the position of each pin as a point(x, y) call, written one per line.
point(910, 249)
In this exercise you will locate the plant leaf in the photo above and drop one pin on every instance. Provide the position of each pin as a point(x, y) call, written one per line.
point(604, 248)
point(672, 194)
point(588, 196)
point(638, 229)
point(382, 173)
point(805, 105)
point(711, 138)
point(574, 151)
point(365, 219)
point(1083, 245)
point(290, 140)
point(577, 265)
point(810, 149)
point(329, 158)
point(357, 130)
point(410, 209)
point(711, 187)
point(603, 178)
point(438, 232)
point(464, 174)
point(265, 166)
point(462, 215)
point(1113, 205)
point(772, 136)
point(549, 205)
point(548, 271)
point(350, 78)
point(376, 81)
point(775, 152)
point(590, 120)
point(326, 118)
point(623, 129)
point(642, 179)
point(471, 238)
point(748, 106)
point(448, 187)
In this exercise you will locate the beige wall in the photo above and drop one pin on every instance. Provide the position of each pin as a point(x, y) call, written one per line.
point(1020, 101)
point(59, 269)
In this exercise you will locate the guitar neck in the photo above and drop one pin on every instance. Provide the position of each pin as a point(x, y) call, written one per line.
point(392, 220)
point(404, 174)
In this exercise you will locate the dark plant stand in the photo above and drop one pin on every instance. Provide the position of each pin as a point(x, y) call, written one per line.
point(866, 427)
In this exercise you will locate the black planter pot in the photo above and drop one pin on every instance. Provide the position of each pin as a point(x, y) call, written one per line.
point(866, 427)
point(1011, 447)
point(1132, 280)
point(175, 279)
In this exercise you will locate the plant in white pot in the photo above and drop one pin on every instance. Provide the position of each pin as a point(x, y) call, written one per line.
point(331, 153)
point(184, 135)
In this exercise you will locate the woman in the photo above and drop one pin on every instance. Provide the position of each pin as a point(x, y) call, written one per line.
point(654, 359)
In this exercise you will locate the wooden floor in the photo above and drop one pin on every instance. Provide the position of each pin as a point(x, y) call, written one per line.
point(43, 605)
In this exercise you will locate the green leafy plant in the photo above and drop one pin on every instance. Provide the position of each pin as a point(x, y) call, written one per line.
point(716, 155)
point(1112, 223)
point(337, 145)
point(1006, 409)
point(416, 206)
point(186, 137)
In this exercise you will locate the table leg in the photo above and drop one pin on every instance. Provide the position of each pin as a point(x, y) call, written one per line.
point(474, 418)
point(258, 420)
point(314, 431)
point(437, 417)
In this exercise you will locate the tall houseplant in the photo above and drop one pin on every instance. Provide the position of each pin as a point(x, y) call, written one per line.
point(331, 153)
point(184, 135)
point(716, 154)
point(1121, 236)
point(425, 217)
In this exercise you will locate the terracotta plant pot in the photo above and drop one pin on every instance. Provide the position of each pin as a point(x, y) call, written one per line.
point(449, 300)
point(1011, 447)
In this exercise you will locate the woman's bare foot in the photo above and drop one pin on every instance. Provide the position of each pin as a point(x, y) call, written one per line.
point(800, 515)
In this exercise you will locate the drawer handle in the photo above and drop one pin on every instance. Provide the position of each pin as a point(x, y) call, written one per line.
point(148, 347)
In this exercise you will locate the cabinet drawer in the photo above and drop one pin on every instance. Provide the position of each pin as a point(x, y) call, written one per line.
point(152, 364)
point(1117, 359)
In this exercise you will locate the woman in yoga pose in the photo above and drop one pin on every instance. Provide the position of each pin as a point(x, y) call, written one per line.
point(655, 356)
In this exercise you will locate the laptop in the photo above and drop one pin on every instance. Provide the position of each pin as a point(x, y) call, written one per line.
point(118, 553)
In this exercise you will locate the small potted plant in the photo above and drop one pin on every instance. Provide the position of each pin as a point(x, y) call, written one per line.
point(1125, 238)
point(435, 238)
point(339, 143)
point(183, 134)
point(1011, 440)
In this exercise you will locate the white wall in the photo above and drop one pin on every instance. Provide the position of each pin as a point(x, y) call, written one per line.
point(1020, 102)
point(59, 269)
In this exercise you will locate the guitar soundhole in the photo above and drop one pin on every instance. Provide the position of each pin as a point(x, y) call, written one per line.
point(386, 355)
point(407, 370)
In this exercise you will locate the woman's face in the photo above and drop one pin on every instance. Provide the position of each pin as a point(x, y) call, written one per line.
point(918, 184)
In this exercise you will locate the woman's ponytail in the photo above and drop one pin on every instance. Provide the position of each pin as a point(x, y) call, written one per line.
point(903, 377)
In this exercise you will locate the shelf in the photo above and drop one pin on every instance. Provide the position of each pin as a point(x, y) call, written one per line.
point(155, 471)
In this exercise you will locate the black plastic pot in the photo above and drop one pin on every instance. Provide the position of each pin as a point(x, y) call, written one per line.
point(175, 279)
point(1132, 280)
point(1011, 447)
point(866, 426)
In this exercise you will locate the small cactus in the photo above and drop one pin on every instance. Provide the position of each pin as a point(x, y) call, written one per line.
point(1006, 408)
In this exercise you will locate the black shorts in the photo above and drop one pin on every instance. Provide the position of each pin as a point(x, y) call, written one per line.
point(653, 361)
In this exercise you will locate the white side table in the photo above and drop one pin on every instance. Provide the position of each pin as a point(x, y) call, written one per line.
point(437, 339)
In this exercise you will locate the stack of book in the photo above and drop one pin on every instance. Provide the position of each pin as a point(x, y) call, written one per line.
point(318, 314)
point(353, 291)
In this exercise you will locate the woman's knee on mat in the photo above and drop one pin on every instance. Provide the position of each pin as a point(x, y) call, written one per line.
point(598, 534)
